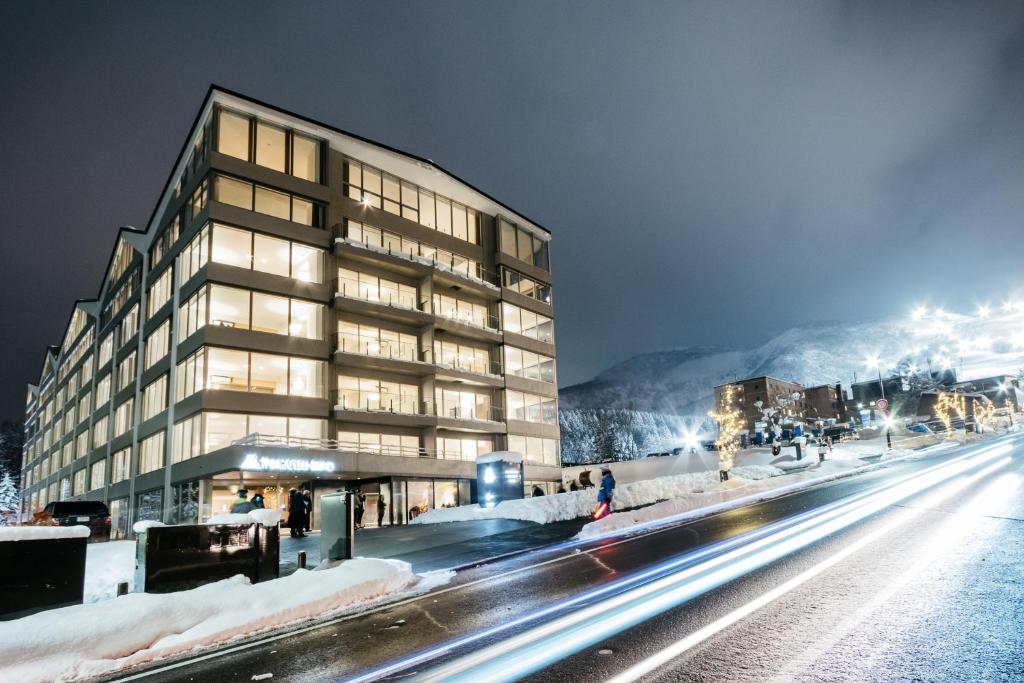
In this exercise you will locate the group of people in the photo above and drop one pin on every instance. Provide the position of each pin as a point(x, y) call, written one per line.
point(244, 504)
point(300, 508)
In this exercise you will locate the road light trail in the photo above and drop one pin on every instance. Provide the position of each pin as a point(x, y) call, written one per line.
point(775, 530)
point(679, 647)
point(549, 642)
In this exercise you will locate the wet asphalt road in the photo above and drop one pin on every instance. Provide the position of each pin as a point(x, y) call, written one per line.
point(940, 597)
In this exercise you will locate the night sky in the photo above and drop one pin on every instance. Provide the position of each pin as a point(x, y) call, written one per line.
point(712, 172)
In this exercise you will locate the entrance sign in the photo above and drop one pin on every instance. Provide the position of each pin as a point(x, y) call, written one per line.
point(255, 463)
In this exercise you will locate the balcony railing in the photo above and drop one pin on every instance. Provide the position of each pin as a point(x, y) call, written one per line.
point(274, 441)
point(488, 323)
point(427, 255)
point(380, 404)
point(490, 368)
point(354, 290)
point(381, 349)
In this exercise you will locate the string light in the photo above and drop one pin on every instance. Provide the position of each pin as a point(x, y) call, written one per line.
point(730, 425)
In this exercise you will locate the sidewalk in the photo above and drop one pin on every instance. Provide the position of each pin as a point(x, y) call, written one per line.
point(428, 547)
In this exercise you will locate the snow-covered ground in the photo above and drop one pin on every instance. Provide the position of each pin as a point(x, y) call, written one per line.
point(106, 565)
point(90, 640)
point(757, 475)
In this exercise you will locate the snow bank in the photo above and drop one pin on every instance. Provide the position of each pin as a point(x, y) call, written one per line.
point(266, 517)
point(575, 504)
point(91, 640)
point(36, 533)
point(144, 524)
point(106, 565)
point(500, 456)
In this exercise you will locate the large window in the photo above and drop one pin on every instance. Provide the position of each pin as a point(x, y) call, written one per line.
point(245, 249)
point(229, 369)
point(527, 323)
point(99, 432)
point(380, 444)
point(268, 145)
point(82, 444)
point(531, 408)
point(120, 463)
point(374, 341)
point(535, 448)
point(463, 405)
point(84, 407)
point(129, 325)
point(520, 244)
point(528, 364)
point(465, 312)
point(194, 255)
point(126, 371)
point(382, 190)
point(158, 344)
point(160, 292)
point(151, 453)
point(207, 432)
point(154, 397)
point(526, 286)
point(392, 243)
point(377, 289)
point(462, 449)
point(240, 308)
point(463, 357)
point(362, 393)
point(265, 200)
point(106, 350)
point(97, 475)
point(103, 390)
point(123, 417)
point(80, 481)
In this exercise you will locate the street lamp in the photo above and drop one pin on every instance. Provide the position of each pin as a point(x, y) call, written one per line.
point(872, 362)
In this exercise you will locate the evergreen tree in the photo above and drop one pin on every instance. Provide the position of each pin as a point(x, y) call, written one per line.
point(8, 500)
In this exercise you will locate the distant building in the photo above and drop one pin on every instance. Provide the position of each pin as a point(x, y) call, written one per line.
point(771, 392)
point(1002, 390)
point(824, 402)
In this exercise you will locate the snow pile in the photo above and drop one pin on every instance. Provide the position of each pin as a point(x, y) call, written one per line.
point(37, 533)
point(262, 516)
point(735, 492)
point(266, 517)
point(106, 565)
point(64, 644)
point(575, 504)
point(144, 524)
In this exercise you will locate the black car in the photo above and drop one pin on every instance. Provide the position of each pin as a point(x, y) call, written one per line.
point(90, 513)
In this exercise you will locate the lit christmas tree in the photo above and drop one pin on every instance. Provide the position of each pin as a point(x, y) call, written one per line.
point(730, 425)
point(946, 406)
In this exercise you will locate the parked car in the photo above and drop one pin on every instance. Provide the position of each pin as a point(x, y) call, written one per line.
point(90, 513)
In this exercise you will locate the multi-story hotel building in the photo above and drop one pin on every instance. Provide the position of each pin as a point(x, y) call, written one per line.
point(306, 308)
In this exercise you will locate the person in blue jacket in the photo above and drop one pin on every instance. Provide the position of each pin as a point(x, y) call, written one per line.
point(605, 492)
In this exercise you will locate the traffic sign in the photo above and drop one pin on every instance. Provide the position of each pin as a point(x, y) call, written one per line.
point(882, 404)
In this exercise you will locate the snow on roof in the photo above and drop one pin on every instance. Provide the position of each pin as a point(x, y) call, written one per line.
point(38, 533)
point(500, 456)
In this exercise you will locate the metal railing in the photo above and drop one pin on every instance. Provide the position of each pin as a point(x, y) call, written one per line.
point(490, 368)
point(427, 255)
point(490, 323)
point(269, 440)
point(383, 349)
point(381, 404)
point(355, 290)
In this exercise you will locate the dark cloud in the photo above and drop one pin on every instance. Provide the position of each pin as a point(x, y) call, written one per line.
point(712, 172)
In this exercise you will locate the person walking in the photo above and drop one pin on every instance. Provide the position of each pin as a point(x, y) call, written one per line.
point(605, 493)
point(295, 506)
point(242, 505)
point(257, 501)
point(382, 506)
point(307, 511)
point(358, 507)
point(573, 486)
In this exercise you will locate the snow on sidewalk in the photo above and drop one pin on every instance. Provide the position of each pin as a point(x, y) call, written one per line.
point(575, 504)
point(90, 640)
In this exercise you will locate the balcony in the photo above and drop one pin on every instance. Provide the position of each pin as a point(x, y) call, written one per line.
point(273, 441)
point(360, 299)
point(466, 325)
point(416, 253)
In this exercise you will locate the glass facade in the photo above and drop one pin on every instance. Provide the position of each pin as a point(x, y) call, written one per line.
point(216, 305)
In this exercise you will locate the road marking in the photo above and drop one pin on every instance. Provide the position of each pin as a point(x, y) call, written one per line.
point(629, 535)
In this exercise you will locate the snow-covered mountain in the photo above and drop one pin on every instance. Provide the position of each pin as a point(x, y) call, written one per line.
point(681, 381)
